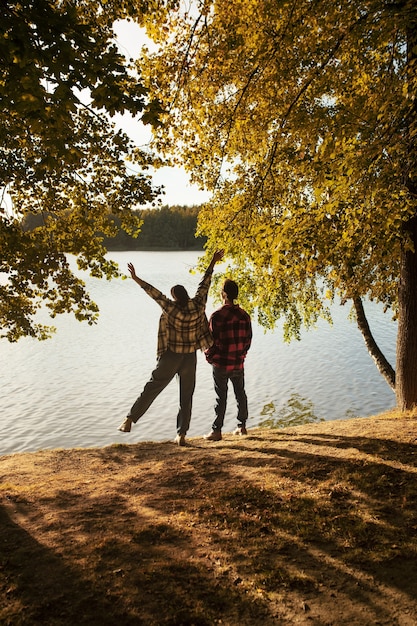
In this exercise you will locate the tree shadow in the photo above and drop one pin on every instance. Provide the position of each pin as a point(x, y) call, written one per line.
point(254, 534)
point(359, 528)
point(364, 506)
point(144, 573)
point(37, 586)
point(384, 448)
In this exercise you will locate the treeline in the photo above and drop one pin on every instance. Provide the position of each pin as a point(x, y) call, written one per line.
point(167, 228)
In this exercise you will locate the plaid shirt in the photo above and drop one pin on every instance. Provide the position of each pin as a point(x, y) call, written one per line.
point(232, 333)
point(183, 329)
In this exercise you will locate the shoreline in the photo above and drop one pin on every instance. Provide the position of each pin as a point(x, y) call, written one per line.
point(389, 414)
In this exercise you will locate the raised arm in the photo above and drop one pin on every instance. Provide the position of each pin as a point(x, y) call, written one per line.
point(202, 291)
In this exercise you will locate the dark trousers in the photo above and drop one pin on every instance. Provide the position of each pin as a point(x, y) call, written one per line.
point(170, 364)
point(221, 378)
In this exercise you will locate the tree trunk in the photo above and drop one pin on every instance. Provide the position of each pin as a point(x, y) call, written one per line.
point(406, 383)
point(382, 364)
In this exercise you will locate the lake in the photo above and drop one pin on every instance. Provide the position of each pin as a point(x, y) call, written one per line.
point(76, 388)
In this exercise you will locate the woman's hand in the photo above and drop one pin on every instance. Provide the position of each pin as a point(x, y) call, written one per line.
point(218, 255)
point(131, 269)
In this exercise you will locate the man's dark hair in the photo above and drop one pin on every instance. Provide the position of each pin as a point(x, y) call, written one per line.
point(231, 289)
point(179, 293)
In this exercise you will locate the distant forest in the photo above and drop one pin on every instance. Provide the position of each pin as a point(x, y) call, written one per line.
point(167, 228)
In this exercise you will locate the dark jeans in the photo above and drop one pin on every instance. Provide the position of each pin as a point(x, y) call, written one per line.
point(221, 378)
point(169, 364)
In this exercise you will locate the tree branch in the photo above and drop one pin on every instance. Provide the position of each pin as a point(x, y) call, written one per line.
point(381, 362)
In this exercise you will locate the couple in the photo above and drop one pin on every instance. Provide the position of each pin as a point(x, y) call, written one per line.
point(183, 329)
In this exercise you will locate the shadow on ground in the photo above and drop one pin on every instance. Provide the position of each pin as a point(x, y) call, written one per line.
point(275, 528)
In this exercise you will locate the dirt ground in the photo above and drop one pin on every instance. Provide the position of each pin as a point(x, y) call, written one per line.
point(315, 525)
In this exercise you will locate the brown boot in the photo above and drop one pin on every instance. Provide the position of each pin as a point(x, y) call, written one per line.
point(215, 435)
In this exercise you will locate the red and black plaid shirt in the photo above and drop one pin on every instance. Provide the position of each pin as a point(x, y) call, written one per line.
point(232, 333)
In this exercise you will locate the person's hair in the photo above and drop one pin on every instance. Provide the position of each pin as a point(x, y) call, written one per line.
point(231, 289)
point(180, 295)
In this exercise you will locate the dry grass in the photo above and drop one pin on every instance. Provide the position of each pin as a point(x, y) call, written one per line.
point(310, 525)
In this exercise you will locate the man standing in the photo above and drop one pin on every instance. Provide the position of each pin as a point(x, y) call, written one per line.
point(183, 329)
point(232, 334)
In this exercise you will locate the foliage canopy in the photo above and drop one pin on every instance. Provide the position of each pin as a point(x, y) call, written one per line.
point(61, 157)
point(300, 116)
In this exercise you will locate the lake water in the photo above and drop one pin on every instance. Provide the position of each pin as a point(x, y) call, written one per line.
point(76, 388)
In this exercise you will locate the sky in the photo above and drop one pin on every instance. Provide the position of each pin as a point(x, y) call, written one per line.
point(178, 189)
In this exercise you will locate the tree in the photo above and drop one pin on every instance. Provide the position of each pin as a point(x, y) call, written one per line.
point(61, 157)
point(301, 117)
